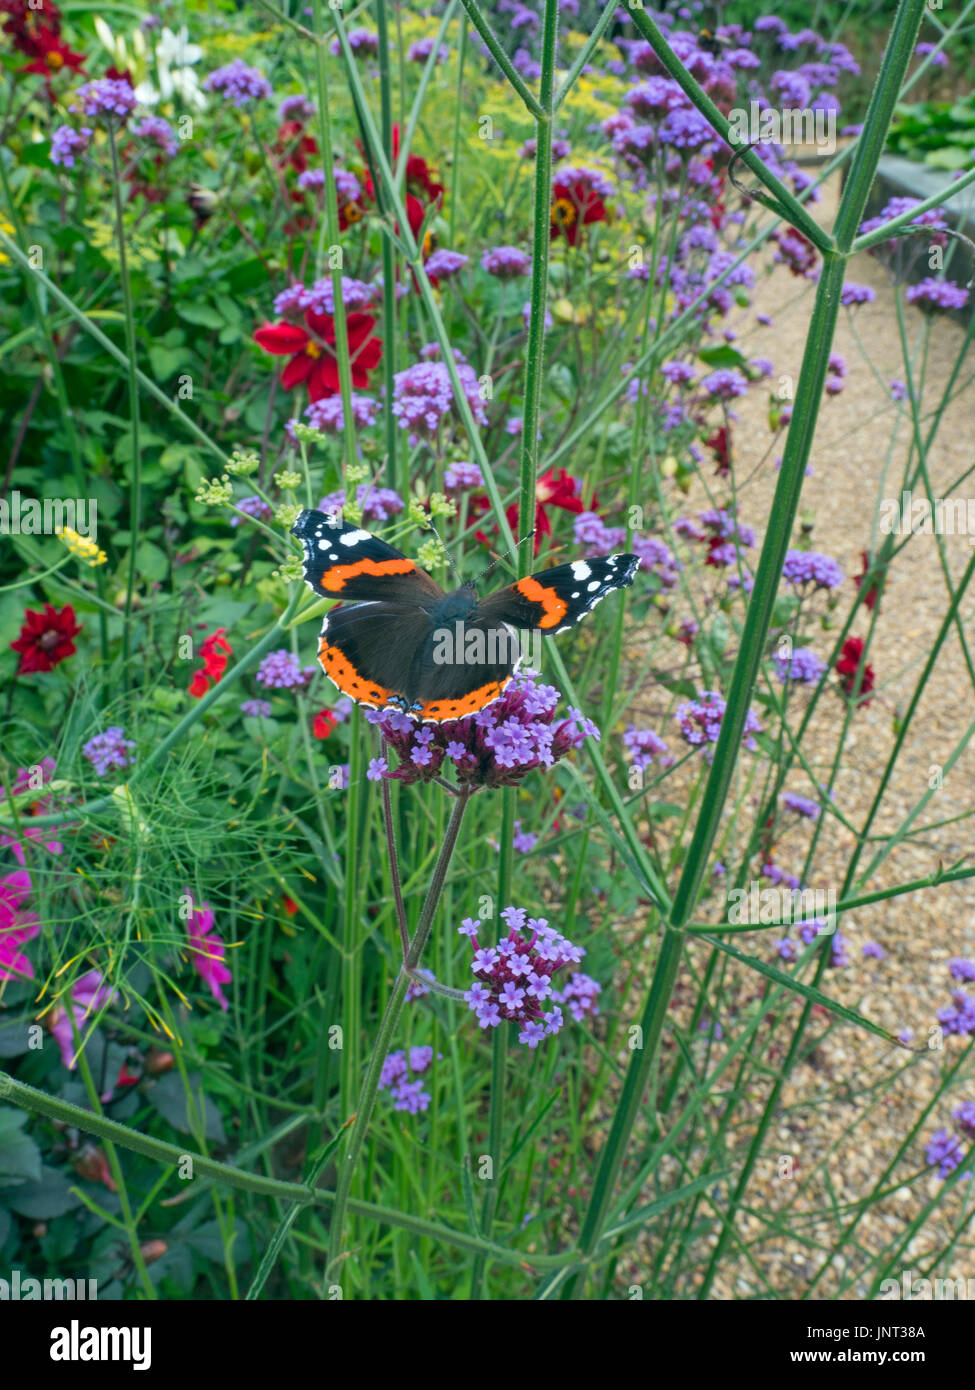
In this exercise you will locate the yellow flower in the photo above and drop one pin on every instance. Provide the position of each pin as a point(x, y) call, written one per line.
point(82, 547)
point(8, 230)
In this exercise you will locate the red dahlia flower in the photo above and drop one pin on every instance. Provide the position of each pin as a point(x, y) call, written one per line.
point(552, 489)
point(312, 351)
point(26, 21)
point(574, 205)
point(46, 639)
point(51, 55)
point(849, 664)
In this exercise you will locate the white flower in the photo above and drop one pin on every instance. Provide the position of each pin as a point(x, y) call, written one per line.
point(175, 50)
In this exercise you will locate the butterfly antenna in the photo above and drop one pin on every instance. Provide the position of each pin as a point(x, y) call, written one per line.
point(499, 559)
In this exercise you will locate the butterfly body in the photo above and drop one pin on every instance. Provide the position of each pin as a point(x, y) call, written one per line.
point(398, 642)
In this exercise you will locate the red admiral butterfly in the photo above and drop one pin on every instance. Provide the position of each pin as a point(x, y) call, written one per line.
point(407, 646)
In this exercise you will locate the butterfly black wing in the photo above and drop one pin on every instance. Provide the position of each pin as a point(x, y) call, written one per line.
point(344, 562)
point(558, 598)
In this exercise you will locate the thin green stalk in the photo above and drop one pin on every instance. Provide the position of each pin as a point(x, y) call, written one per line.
point(541, 240)
point(387, 1027)
point(135, 496)
point(501, 58)
point(335, 255)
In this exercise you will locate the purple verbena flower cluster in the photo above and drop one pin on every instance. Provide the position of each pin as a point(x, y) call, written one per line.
point(408, 1093)
point(496, 747)
point(700, 721)
point(238, 83)
point(109, 750)
point(513, 980)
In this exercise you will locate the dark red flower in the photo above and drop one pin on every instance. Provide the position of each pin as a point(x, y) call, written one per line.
point(718, 444)
point(419, 180)
point(292, 147)
point(552, 489)
point(873, 593)
point(214, 650)
point(46, 639)
point(312, 351)
point(25, 21)
point(574, 205)
point(323, 723)
point(52, 54)
point(849, 664)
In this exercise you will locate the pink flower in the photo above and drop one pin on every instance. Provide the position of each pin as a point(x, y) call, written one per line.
point(208, 952)
point(22, 783)
point(16, 926)
point(88, 994)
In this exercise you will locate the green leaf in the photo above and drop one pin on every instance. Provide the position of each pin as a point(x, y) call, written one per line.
point(169, 1098)
point(151, 562)
point(20, 1158)
point(951, 157)
point(14, 1038)
point(810, 992)
point(50, 1196)
point(204, 315)
point(721, 355)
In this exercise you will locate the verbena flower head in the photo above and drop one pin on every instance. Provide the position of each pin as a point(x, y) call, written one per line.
point(934, 217)
point(375, 503)
point(327, 414)
point(803, 665)
point(801, 805)
point(252, 506)
point(443, 264)
point(157, 132)
point(808, 567)
point(281, 670)
point(399, 1073)
point(643, 745)
point(959, 1015)
point(107, 96)
point(937, 294)
point(513, 980)
point(256, 709)
point(944, 1151)
point(497, 747)
point(296, 108)
point(461, 475)
point(700, 721)
point(67, 144)
point(363, 42)
point(238, 83)
point(506, 262)
point(423, 396)
point(857, 294)
point(109, 750)
point(960, 969)
point(724, 384)
point(420, 50)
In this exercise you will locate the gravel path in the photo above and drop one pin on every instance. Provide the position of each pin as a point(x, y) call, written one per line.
point(921, 932)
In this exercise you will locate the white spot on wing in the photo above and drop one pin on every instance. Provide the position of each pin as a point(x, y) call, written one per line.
point(580, 570)
point(354, 537)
